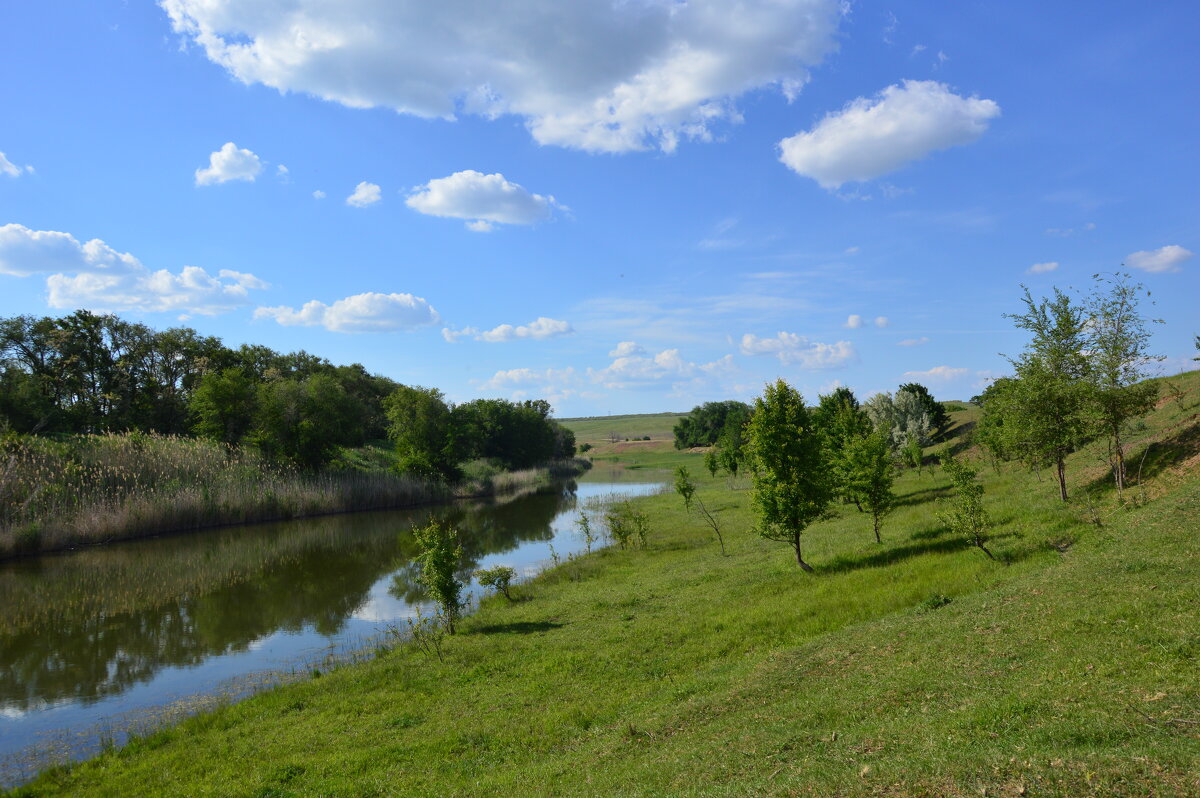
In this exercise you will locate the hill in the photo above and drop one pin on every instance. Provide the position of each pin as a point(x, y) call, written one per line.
point(1070, 666)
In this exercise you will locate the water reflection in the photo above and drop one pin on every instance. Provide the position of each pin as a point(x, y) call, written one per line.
point(89, 625)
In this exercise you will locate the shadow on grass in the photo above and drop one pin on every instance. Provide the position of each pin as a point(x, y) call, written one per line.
point(921, 497)
point(1153, 459)
point(518, 627)
point(935, 543)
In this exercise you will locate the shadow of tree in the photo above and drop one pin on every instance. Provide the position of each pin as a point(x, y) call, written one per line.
point(923, 495)
point(518, 627)
point(935, 542)
point(1154, 458)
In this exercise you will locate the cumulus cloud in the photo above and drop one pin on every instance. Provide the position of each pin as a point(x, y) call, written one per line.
point(1163, 259)
point(508, 379)
point(913, 341)
point(364, 194)
point(93, 275)
point(596, 75)
point(483, 200)
point(318, 194)
point(854, 321)
point(229, 163)
point(9, 168)
point(937, 374)
point(638, 368)
point(872, 137)
point(881, 321)
point(537, 330)
point(369, 312)
point(793, 349)
point(1042, 268)
point(627, 349)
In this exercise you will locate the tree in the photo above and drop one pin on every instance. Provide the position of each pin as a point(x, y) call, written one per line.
point(499, 578)
point(939, 419)
point(421, 426)
point(870, 478)
point(684, 486)
point(843, 422)
point(304, 421)
point(439, 558)
point(1118, 345)
point(711, 462)
point(1042, 414)
point(792, 486)
point(902, 418)
point(965, 514)
point(704, 424)
point(223, 406)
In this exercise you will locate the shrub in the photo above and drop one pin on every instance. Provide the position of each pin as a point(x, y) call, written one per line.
point(498, 578)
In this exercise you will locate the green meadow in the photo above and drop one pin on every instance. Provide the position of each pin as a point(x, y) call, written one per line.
point(1069, 666)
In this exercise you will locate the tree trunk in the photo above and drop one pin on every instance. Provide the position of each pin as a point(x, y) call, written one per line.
point(1062, 479)
point(1118, 461)
point(875, 518)
point(800, 560)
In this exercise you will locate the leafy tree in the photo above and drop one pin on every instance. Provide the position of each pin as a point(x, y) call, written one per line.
point(223, 406)
point(964, 514)
point(304, 421)
point(1043, 412)
point(1118, 345)
point(842, 421)
point(439, 558)
point(423, 430)
point(703, 426)
point(902, 418)
point(869, 476)
point(939, 419)
point(684, 486)
point(731, 443)
point(499, 578)
point(914, 455)
point(712, 462)
point(792, 486)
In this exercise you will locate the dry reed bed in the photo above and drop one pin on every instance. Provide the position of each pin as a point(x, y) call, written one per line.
point(97, 489)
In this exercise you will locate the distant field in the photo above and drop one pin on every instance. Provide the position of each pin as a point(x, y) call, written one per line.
point(602, 429)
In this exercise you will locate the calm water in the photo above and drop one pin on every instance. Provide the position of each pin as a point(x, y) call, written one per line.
point(96, 642)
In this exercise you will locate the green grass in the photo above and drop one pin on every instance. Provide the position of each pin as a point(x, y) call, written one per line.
point(1071, 667)
point(601, 429)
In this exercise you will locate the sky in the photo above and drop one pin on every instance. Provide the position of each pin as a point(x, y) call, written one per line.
point(624, 206)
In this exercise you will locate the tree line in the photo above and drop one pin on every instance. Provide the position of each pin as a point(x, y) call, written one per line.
point(88, 373)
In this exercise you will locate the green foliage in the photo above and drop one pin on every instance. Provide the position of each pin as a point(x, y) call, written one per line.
point(1119, 350)
point(439, 558)
point(627, 524)
point(792, 484)
point(964, 513)
point(684, 486)
point(704, 425)
point(914, 455)
point(585, 530)
point(939, 419)
point(304, 421)
point(902, 418)
point(498, 577)
point(424, 433)
point(712, 463)
point(869, 476)
point(224, 405)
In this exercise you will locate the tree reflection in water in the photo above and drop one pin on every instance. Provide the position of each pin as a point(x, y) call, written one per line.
point(87, 625)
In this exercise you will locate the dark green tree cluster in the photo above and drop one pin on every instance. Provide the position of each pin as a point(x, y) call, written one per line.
point(707, 422)
point(433, 438)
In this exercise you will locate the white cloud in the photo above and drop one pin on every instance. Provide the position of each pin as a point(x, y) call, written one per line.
point(937, 374)
point(627, 349)
point(596, 75)
point(853, 321)
point(229, 163)
point(523, 377)
point(370, 312)
point(1163, 259)
point(1066, 232)
point(537, 330)
point(93, 275)
point(881, 321)
point(283, 174)
point(484, 200)
point(870, 138)
point(639, 368)
point(852, 250)
point(318, 194)
point(793, 349)
point(1042, 268)
point(913, 341)
point(9, 168)
point(364, 194)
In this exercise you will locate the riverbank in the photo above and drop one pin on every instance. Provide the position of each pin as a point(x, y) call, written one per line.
point(91, 490)
point(913, 667)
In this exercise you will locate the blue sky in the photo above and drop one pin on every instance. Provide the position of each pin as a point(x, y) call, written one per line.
point(622, 206)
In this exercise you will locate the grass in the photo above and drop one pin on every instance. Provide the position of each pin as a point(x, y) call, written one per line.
point(915, 667)
point(58, 494)
point(604, 429)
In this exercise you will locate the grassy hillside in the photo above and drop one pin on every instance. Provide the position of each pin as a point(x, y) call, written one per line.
point(602, 429)
point(916, 667)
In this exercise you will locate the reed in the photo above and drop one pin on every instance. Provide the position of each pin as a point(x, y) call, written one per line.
point(59, 494)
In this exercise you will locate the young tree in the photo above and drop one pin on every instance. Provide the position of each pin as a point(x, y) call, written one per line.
point(1118, 344)
point(869, 477)
point(792, 485)
point(840, 419)
point(939, 419)
point(711, 462)
point(423, 429)
point(499, 578)
point(965, 514)
point(439, 560)
point(684, 486)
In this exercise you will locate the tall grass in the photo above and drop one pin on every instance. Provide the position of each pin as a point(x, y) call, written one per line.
point(102, 488)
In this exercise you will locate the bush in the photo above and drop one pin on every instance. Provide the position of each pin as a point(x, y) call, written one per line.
point(498, 578)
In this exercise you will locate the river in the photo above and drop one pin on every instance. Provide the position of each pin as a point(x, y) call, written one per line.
point(98, 643)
